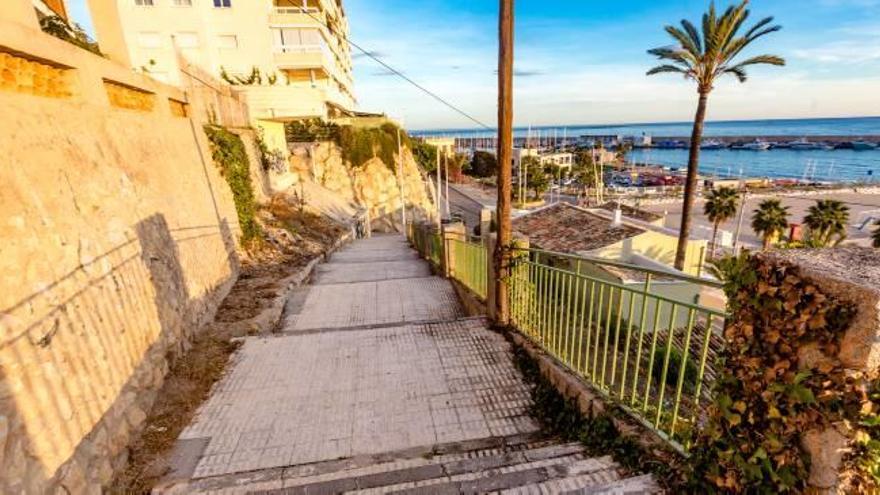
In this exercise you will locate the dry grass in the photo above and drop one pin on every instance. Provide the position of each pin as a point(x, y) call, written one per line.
point(186, 386)
point(292, 238)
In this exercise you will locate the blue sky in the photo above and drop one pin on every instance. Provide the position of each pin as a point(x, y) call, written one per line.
point(584, 61)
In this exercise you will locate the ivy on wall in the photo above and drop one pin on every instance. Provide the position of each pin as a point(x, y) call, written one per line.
point(357, 144)
point(228, 152)
point(765, 403)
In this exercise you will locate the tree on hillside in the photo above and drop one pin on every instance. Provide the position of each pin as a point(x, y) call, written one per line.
point(876, 235)
point(483, 164)
point(536, 177)
point(720, 207)
point(703, 56)
point(425, 155)
point(457, 164)
point(827, 221)
point(585, 170)
point(770, 221)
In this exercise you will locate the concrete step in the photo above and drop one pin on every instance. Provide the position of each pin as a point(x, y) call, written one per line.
point(479, 471)
point(637, 485)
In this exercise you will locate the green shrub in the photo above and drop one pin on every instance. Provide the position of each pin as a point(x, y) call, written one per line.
point(676, 357)
point(228, 152)
point(74, 34)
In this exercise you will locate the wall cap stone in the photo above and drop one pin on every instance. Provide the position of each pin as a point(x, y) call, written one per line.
point(851, 274)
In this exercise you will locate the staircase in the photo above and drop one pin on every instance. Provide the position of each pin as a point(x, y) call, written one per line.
point(377, 383)
point(518, 466)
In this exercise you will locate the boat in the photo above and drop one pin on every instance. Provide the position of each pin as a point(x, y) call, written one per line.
point(802, 145)
point(713, 144)
point(672, 145)
point(756, 145)
point(863, 145)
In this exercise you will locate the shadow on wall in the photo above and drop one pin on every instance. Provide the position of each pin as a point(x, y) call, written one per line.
point(82, 359)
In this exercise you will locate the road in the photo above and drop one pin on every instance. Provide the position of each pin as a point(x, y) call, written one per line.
point(862, 206)
point(468, 200)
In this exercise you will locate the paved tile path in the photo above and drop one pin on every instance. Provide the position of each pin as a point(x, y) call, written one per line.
point(377, 383)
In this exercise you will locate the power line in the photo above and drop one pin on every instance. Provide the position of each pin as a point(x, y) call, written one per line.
point(405, 77)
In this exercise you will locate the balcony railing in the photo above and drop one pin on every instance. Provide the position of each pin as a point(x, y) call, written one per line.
point(316, 48)
point(296, 10)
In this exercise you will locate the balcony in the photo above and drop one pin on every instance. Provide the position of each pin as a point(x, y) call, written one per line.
point(292, 102)
point(311, 56)
point(297, 16)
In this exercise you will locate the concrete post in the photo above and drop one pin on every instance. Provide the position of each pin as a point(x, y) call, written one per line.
point(21, 12)
point(449, 232)
point(485, 225)
point(490, 240)
point(108, 30)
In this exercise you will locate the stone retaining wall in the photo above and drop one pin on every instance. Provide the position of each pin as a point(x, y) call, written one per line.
point(119, 239)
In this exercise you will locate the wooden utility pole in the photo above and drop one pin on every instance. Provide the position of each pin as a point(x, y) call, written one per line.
point(505, 152)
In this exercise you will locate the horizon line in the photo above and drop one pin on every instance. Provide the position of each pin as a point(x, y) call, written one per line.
point(634, 124)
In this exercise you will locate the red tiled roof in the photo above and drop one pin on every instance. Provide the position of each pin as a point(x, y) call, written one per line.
point(566, 228)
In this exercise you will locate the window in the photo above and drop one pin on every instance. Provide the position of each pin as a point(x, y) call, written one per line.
point(223, 3)
point(186, 40)
point(148, 39)
point(227, 41)
point(298, 37)
point(144, 3)
point(183, 3)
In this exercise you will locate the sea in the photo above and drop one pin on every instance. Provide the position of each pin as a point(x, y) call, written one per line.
point(811, 165)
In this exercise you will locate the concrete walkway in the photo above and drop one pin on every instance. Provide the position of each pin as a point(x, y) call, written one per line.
point(376, 383)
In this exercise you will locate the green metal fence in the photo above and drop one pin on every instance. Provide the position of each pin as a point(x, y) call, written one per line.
point(469, 266)
point(427, 242)
point(636, 341)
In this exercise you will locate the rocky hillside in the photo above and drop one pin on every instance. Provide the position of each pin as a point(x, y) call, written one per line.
point(374, 186)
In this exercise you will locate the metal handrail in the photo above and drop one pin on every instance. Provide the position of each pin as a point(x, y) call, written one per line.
point(650, 353)
point(628, 266)
point(629, 288)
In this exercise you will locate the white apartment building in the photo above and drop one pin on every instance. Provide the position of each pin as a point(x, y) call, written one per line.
point(290, 58)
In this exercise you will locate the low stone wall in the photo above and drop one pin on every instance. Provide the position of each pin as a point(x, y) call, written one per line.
point(798, 393)
point(119, 239)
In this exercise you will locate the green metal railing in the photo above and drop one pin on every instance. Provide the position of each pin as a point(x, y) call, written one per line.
point(427, 242)
point(638, 335)
point(468, 260)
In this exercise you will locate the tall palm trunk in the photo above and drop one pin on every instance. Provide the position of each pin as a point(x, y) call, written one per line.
point(690, 188)
point(714, 239)
point(766, 239)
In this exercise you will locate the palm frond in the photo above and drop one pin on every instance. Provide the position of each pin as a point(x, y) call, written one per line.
point(712, 52)
point(667, 68)
point(764, 32)
point(757, 27)
point(691, 30)
point(686, 42)
point(761, 60)
point(739, 72)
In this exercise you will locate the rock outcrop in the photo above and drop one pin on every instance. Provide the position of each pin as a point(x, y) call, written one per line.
point(376, 187)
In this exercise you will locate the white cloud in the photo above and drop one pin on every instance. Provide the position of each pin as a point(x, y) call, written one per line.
point(845, 52)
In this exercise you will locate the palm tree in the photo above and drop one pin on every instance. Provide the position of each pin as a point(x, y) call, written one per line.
point(720, 207)
point(703, 58)
point(876, 235)
point(770, 220)
point(827, 220)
